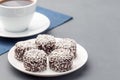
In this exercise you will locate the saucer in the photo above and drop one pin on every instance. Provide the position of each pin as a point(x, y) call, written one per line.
point(39, 23)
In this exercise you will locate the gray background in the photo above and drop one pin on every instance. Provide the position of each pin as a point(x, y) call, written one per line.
point(96, 26)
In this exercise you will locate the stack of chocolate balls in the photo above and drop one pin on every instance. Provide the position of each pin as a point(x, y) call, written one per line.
point(45, 49)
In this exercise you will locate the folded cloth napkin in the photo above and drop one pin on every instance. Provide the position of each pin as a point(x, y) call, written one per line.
point(56, 19)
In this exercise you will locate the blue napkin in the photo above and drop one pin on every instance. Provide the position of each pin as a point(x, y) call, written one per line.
point(55, 18)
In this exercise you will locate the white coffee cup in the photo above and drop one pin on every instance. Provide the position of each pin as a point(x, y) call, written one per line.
point(17, 18)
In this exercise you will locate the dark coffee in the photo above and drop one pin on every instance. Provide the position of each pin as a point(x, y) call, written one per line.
point(15, 3)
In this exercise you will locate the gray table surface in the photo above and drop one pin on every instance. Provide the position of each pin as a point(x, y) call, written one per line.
point(96, 26)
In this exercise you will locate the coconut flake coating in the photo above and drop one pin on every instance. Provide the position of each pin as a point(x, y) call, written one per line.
point(67, 43)
point(22, 46)
point(60, 60)
point(46, 43)
point(35, 60)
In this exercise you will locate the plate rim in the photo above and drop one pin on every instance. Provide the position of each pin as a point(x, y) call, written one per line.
point(57, 74)
point(28, 35)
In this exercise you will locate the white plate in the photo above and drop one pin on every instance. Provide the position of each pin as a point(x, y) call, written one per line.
point(81, 59)
point(38, 24)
